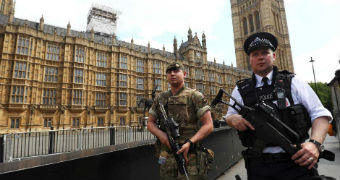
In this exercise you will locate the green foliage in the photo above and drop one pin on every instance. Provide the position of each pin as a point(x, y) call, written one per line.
point(324, 93)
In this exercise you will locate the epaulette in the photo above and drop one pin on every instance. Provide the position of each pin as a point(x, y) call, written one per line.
point(285, 72)
point(244, 86)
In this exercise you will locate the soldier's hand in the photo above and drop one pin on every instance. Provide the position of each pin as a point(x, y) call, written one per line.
point(238, 122)
point(184, 149)
point(307, 156)
point(163, 138)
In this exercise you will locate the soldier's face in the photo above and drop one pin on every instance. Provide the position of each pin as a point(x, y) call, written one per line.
point(176, 77)
point(262, 61)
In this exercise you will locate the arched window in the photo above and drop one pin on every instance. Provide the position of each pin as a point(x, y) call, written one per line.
point(245, 26)
point(251, 23)
point(284, 61)
point(257, 20)
point(275, 22)
point(279, 22)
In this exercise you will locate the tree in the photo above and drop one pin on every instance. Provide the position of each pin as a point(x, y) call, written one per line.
point(324, 93)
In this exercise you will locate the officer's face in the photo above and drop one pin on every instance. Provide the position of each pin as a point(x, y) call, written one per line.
point(176, 77)
point(262, 61)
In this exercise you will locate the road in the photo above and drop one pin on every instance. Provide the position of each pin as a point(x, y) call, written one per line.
point(328, 168)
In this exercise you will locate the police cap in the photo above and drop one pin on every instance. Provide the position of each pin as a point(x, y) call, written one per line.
point(174, 66)
point(260, 40)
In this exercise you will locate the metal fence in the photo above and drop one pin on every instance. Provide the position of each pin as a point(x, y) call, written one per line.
point(16, 146)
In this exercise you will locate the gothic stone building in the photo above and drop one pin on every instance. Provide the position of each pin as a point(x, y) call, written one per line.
point(250, 16)
point(60, 78)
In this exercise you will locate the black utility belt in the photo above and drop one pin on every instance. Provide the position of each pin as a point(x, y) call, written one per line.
point(271, 157)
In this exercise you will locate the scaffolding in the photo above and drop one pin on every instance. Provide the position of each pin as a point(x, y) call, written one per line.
point(102, 19)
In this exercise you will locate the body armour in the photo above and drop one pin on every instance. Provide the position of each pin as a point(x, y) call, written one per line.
point(186, 107)
point(293, 115)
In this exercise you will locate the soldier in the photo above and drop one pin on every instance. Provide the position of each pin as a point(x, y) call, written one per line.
point(284, 92)
point(189, 108)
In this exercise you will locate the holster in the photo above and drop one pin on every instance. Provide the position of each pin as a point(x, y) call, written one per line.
point(205, 158)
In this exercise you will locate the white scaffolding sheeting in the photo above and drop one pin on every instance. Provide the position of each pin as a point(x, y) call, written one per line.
point(102, 19)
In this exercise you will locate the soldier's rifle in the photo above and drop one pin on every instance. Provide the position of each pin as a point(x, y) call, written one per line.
point(268, 126)
point(172, 131)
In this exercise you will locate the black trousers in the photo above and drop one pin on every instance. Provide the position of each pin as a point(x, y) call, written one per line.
point(285, 170)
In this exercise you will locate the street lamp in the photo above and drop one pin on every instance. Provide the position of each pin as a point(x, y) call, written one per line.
point(312, 61)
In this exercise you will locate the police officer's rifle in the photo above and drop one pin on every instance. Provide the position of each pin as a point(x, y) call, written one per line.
point(268, 127)
point(172, 131)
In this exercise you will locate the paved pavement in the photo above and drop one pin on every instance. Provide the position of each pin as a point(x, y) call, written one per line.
point(329, 168)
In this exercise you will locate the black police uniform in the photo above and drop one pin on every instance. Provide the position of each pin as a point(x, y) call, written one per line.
point(279, 165)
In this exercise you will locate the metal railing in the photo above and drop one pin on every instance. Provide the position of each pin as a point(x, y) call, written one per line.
point(16, 146)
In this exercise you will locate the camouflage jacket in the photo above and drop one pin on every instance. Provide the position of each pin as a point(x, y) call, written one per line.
point(186, 107)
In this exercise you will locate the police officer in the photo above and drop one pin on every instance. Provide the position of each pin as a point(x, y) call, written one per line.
point(272, 162)
point(190, 110)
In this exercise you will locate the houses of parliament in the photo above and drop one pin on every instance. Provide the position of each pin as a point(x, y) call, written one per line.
point(53, 77)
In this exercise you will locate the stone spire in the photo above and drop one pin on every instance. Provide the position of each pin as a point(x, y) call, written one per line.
point(175, 46)
point(11, 14)
point(163, 49)
point(204, 41)
point(189, 34)
point(132, 45)
point(113, 38)
point(92, 34)
point(41, 24)
point(68, 33)
point(149, 47)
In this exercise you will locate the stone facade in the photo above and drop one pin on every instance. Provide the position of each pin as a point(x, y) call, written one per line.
point(52, 77)
point(250, 16)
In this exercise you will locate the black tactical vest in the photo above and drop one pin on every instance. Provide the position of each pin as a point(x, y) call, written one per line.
point(295, 116)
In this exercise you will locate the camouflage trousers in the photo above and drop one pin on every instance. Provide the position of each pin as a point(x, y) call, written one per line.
point(169, 170)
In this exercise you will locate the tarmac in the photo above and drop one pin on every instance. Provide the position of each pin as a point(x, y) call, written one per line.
point(327, 168)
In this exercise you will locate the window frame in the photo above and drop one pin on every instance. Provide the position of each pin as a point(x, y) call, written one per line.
point(100, 79)
point(75, 122)
point(77, 96)
point(24, 45)
point(52, 52)
point(140, 83)
point(15, 122)
point(48, 122)
point(100, 99)
point(123, 79)
point(100, 121)
point(123, 62)
point(78, 76)
point(101, 59)
point(21, 70)
point(17, 94)
point(51, 74)
point(140, 65)
point(156, 67)
point(48, 98)
point(157, 82)
point(122, 121)
point(123, 99)
point(80, 54)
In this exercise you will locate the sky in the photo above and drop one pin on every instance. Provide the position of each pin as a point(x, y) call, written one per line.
point(313, 26)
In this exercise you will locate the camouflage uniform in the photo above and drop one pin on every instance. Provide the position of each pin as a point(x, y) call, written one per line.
point(186, 107)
